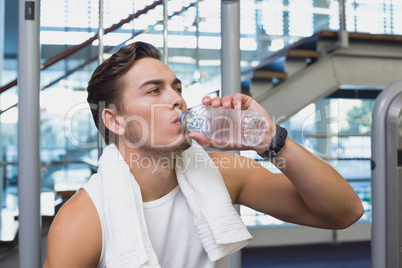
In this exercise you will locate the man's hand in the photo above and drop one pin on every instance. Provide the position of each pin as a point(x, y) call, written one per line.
point(237, 102)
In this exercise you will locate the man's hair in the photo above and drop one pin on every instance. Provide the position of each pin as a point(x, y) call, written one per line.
point(106, 84)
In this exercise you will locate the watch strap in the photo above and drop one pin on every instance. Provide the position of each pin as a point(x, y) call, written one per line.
point(277, 143)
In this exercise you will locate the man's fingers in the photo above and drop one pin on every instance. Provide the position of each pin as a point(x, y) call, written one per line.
point(216, 102)
point(206, 100)
point(227, 102)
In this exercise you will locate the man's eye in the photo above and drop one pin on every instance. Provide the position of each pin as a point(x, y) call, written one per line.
point(178, 90)
point(155, 90)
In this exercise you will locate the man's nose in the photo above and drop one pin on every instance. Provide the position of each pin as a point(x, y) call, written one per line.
point(176, 99)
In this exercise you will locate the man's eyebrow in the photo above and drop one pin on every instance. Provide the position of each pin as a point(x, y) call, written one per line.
point(176, 81)
point(152, 82)
point(159, 82)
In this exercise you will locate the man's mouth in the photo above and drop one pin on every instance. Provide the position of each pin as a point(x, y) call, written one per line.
point(176, 121)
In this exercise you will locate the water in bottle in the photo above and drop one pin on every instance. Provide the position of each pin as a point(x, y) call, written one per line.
point(245, 127)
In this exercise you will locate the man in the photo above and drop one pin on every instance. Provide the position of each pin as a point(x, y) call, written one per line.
point(136, 101)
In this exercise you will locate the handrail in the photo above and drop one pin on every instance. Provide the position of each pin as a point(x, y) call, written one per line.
point(341, 135)
point(9, 85)
point(365, 36)
point(5, 110)
point(281, 53)
point(78, 47)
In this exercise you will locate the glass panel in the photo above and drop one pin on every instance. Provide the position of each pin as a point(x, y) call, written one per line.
point(68, 138)
point(9, 165)
point(338, 130)
point(375, 16)
point(395, 16)
point(270, 25)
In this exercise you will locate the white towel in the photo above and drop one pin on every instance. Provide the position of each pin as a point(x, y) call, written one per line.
point(219, 226)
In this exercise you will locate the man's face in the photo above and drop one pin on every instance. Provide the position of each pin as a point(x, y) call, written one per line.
point(152, 104)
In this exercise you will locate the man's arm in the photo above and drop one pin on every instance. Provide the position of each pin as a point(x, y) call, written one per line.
point(75, 237)
point(308, 191)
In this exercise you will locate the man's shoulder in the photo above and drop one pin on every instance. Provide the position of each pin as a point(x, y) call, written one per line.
point(78, 209)
point(79, 201)
point(76, 229)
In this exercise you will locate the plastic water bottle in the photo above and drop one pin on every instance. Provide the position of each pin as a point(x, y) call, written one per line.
point(245, 127)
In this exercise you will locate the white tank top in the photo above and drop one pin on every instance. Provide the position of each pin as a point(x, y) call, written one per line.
point(171, 229)
point(173, 233)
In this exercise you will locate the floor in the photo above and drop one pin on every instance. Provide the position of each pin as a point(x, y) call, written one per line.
point(346, 255)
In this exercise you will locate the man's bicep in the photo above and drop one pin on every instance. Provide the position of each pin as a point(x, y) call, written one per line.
point(63, 247)
point(252, 185)
point(269, 193)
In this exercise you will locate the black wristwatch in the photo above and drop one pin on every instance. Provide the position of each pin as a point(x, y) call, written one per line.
point(278, 141)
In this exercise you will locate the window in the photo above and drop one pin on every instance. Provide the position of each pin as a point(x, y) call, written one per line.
point(337, 130)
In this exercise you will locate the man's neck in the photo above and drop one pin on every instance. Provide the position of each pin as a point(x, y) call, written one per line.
point(155, 174)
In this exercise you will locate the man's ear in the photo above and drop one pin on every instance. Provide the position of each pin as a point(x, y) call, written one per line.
point(113, 121)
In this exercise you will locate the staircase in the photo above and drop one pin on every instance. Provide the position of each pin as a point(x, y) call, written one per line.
point(319, 64)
